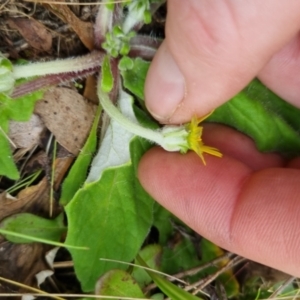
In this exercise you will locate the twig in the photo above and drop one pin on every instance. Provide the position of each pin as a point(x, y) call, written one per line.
point(63, 264)
point(8, 138)
point(39, 292)
point(52, 178)
point(212, 263)
point(144, 268)
point(200, 285)
point(193, 271)
point(296, 296)
point(282, 287)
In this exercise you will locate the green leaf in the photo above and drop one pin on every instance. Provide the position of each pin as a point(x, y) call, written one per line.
point(112, 217)
point(170, 289)
point(151, 254)
point(115, 210)
point(159, 296)
point(271, 122)
point(31, 225)
point(110, 6)
point(77, 174)
point(7, 165)
point(125, 63)
point(147, 17)
point(19, 109)
point(107, 79)
point(181, 256)
point(111, 214)
point(134, 78)
point(118, 283)
point(162, 221)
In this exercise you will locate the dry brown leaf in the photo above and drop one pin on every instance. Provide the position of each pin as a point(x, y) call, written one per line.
point(26, 134)
point(34, 199)
point(84, 30)
point(61, 167)
point(21, 262)
point(90, 90)
point(39, 161)
point(35, 33)
point(68, 116)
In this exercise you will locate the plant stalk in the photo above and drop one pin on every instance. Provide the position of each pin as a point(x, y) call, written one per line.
point(69, 65)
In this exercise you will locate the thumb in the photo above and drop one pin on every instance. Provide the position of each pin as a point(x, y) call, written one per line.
point(212, 50)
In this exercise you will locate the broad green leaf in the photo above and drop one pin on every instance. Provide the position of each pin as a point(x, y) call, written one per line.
point(167, 287)
point(19, 109)
point(35, 226)
point(151, 254)
point(107, 80)
point(271, 122)
point(112, 217)
point(118, 283)
point(111, 214)
point(134, 78)
point(77, 174)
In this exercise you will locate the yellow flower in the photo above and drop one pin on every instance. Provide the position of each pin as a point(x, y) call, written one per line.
point(194, 139)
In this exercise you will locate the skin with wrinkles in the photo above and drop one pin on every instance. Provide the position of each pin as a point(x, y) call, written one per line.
point(246, 202)
point(212, 50)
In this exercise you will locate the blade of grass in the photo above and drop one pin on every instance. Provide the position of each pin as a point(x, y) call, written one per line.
point(167, 287)
point(39, 292)
point(2, 231)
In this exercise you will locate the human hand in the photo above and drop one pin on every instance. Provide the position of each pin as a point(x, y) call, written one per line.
point(246, 202)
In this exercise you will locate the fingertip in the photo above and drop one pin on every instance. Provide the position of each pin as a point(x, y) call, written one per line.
point(164, 86)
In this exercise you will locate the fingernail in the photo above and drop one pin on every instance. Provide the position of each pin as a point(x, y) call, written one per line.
point(165, 86)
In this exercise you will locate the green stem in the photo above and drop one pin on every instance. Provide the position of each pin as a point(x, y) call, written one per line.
point(132, 127)
point(69, 65)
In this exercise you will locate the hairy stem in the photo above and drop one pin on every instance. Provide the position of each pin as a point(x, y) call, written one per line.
point(70, 65)
point(132, 127)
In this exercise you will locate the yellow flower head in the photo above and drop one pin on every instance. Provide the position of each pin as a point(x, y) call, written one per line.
point(195, 142)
